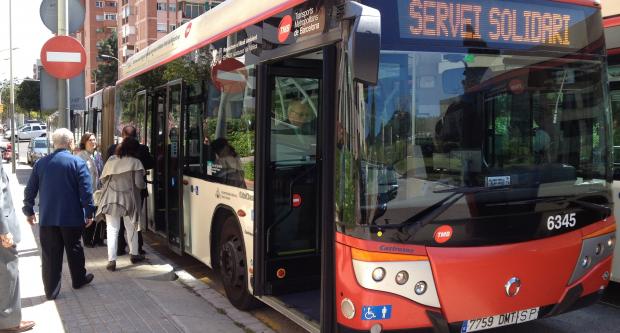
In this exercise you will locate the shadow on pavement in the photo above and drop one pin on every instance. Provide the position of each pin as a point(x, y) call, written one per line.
point(33, 301)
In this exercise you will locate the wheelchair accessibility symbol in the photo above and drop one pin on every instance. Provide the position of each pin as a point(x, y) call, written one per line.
point(376, 312)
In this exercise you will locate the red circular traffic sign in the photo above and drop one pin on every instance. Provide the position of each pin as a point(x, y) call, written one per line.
point(230, 76)
point(63, 57)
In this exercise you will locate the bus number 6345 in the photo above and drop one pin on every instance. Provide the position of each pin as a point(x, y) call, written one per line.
point(559, 221)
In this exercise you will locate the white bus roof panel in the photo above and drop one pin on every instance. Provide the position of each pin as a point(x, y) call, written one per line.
point(229, 16)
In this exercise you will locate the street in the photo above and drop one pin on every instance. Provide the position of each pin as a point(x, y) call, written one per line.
point(602, 317)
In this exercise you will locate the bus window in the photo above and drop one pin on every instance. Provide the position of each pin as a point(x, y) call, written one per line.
point(294, 117)
point(228, 131)
point(192, 140)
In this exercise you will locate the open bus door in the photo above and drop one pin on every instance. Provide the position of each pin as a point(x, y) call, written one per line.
point(614, 96)
point(293, 250)
point(167, 174)
point(143, 124)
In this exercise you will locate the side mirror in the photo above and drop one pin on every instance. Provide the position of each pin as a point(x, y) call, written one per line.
point(364, 42)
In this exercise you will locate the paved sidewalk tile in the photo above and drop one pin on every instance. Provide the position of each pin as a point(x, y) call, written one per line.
point(135, 298)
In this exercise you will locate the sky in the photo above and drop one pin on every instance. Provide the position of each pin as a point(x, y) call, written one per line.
point(29, 35)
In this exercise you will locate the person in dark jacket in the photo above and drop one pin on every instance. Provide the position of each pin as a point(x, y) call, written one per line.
point(63, 184)
point(10, 235)
point(144, 155)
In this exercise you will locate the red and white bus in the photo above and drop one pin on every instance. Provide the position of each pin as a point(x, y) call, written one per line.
point(612, 41)
point(384, 165)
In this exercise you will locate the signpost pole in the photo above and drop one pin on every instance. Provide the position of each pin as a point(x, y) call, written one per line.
point(13, 127)
point(63, 91)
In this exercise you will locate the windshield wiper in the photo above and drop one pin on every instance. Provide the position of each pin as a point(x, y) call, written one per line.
point(604, 210)
point(426, 215)
point(473, 189)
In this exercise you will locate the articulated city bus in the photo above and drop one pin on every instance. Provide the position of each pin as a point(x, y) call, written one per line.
point(99, 118)
point(612, 40)
point(384, 165)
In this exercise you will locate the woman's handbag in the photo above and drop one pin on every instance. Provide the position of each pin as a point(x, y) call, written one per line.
point(97, 197)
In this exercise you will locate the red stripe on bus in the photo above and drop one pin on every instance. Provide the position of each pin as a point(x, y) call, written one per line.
point(377, 246)
point(245, 24)
point(611, 21)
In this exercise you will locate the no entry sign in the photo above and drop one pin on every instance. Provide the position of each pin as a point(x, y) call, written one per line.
point(63, 57)
point(230, 76)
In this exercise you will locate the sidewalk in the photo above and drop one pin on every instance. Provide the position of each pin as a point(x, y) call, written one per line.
point(146, 297)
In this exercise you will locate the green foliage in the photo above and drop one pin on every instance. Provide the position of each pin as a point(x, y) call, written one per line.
point(106, 73)
point(192, 68)
point(243, 142)
point(27, 96)
point(248, 170)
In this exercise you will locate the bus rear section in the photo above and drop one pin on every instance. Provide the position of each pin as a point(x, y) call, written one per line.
point(473, 180)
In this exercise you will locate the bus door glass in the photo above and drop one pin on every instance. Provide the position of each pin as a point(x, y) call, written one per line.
point(173, 168)
point(158, 150)
point(144, 126)
point(291, 227)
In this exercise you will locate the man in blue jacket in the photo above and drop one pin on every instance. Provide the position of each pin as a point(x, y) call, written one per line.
point(66, 206)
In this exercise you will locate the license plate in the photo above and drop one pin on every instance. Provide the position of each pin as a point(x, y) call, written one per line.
point(505, 319)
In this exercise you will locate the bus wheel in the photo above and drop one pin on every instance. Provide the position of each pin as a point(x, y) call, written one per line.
point(233, 267)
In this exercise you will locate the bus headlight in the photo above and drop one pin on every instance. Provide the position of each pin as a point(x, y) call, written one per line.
point(371, 267)
point(599, 249)
point(378, 274)
point(420, 288)
point(593, 251)
point(348, 308)
point(585, 261)
point(402, 277)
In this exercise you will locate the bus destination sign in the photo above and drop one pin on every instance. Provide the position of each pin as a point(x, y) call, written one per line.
point(489, 21)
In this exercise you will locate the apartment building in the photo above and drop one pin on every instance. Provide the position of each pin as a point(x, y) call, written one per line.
point(141, 22)
point(100, 22)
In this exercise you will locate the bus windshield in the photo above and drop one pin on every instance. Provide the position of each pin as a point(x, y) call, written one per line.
point(467, 139)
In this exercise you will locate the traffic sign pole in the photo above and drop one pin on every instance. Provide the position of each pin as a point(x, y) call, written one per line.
point(63, 89)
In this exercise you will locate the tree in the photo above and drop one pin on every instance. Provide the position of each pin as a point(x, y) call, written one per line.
point(27, 96)
point(106, 73)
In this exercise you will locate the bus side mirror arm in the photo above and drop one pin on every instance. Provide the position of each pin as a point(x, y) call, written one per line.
point(364, 42)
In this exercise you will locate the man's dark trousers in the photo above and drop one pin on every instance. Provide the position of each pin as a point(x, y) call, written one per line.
point(53, 241)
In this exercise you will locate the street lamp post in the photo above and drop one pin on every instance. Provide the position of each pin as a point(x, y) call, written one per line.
point(13, 129)
point(105, 56)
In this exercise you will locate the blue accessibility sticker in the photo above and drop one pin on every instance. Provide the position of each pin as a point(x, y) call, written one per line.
point(376, 312)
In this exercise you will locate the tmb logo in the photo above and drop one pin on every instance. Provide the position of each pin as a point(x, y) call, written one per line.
point(188, 29)
point(284, 30)
point(443, 234)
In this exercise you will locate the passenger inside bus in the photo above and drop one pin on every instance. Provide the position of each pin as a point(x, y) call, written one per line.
point(296, 132)
point(231, 171)
point(302, 117)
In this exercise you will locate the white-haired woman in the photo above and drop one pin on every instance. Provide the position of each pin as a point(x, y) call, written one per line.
point(63, 184)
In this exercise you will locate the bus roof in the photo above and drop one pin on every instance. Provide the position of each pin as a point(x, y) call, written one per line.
point(226, 18)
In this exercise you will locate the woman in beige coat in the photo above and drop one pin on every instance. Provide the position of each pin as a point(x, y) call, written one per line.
point(122, 180)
